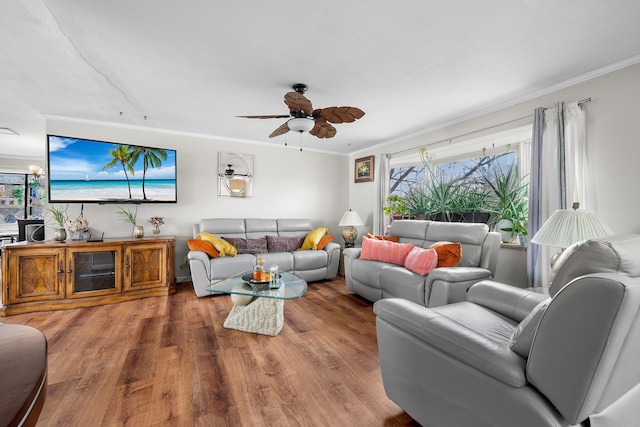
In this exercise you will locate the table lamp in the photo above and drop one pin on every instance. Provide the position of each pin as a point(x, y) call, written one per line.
point(568, 226)
point(349, 233)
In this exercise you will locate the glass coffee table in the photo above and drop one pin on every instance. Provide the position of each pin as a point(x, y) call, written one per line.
point(258, 308)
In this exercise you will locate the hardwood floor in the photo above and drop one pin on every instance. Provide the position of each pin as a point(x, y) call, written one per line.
point(167, 361)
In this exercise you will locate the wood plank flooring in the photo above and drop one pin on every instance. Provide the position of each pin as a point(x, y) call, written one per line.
point(167, 361)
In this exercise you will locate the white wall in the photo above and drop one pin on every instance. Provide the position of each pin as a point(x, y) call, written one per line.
point(613, 145)
point(288, 184)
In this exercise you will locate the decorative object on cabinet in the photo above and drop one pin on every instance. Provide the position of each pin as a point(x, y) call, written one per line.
point(235, 175)
point(131, 216)
point(363, 169)
point(156, 221)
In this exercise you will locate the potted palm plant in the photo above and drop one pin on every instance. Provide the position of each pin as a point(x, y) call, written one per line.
point(131, 216)
point(59, 217)
point(509, 206)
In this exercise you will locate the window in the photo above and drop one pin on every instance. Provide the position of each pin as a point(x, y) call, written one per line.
point(482, 173)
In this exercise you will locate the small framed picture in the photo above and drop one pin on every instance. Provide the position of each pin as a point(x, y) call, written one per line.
point(363, 169)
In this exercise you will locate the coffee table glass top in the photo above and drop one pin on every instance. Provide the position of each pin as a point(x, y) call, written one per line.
point(291, 287)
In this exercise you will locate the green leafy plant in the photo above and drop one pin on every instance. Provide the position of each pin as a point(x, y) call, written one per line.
point(127, 215)
point(59, 215)
point(395, 206)
point(509, 199)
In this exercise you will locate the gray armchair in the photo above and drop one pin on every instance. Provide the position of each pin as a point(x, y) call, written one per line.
point(509, 357)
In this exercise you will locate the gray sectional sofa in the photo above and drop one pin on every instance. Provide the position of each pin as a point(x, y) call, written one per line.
point(376, 280)
point(310, 265)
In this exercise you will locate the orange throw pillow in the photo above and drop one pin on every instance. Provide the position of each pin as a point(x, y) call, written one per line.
point(389, 238)
point(204, 246)
point(323, 242)
point(385, 251)
point(449, 253)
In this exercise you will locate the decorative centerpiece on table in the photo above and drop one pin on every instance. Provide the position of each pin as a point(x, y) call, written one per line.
point(156, 221)
point(132, 218)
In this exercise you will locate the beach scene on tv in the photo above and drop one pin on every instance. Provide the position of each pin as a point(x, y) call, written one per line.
point(87, 170)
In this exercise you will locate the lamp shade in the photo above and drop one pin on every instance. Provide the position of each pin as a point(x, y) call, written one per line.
point(350, 218)
point(568, 226)
point(300, 124)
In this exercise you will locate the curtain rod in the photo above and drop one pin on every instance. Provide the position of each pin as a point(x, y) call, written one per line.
point(431, 144)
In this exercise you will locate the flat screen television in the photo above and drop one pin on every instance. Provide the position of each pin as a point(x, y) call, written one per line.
point(89, 171)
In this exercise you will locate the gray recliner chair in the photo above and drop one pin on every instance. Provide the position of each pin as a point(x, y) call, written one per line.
point(510, 357)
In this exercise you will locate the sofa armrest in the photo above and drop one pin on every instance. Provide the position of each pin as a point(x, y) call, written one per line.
point(396, 315)
point(200, 267)
point(450, 284)
point(352, 253)
point(333, 252)
point(515, 303)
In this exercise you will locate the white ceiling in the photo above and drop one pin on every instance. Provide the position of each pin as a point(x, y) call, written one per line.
point(193, 65)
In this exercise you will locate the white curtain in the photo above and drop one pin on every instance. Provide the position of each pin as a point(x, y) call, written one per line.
point(558, 178)
point(380, 220)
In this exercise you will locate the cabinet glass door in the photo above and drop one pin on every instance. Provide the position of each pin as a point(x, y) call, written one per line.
point(94, 271)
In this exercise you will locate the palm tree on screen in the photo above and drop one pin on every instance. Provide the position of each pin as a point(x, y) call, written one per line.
point(151, 158)
point(121, 155)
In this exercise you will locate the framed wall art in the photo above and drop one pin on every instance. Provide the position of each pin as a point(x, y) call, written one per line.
point(363, 169)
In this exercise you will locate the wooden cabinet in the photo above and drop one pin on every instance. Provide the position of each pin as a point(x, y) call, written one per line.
point(53, 275)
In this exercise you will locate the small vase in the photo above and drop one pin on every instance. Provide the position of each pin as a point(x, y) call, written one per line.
point(60, 234)
point(76, 235)
point(156, 231)
point(138, 231)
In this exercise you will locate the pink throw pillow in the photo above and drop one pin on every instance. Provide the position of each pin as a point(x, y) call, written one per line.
point(384, 250)
point(421, 261)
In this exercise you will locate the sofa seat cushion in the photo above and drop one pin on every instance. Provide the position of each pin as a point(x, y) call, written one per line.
point(368, 272)
point(284, 260)
point(230, 266)
point(310, 260)
point(398, 282)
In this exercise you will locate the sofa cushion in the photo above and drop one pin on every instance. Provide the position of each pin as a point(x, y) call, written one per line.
point(522, 337)
point(385, 251)
point(313, 238)
point(248, 246)
point(204, 246)
point(421, 261)
point(389, 238)
point(284, 244)
point(449, 253)
point(323, 242)
point(221, 245)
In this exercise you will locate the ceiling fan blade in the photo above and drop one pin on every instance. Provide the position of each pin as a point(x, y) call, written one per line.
point(275, 116)
point(284, 128)
point(339, 114)
point(322, 129)
point(297, 102)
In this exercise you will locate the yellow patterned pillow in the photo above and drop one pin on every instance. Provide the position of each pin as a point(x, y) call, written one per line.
point(313, 238)
point(222, 246)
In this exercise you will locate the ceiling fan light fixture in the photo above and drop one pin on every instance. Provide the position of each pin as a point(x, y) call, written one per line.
point(301, 124)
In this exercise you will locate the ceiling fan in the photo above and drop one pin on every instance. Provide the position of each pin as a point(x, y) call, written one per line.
point(303, 118)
